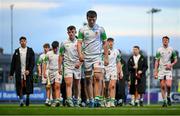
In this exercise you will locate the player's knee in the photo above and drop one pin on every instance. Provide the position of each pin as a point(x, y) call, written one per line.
point(112, 86)
point(163, 87)
point(98, 74)
point(88, 74)
point(68, 83)
point(168, 86)
point(57, 86)
point(88, 81)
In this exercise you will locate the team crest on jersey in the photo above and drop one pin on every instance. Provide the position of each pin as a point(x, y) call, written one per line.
point(67, 46)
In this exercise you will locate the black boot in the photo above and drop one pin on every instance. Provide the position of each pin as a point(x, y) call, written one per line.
point(27, 100)
point(141, 103)
point(169, 101)
point(164, 104)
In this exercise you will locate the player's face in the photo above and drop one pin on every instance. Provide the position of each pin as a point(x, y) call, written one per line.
point(91, 21)
point(71, 34)
point(165, 42)
point(135, 51)
point(55, 50)
point(23, 43)
point(111, 43)
point(46, 49)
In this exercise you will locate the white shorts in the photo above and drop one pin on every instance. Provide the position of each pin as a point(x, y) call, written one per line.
point(76, 73)
point(55, 76)
point(44, 80)
point(165, 75)
point(110, 75)
point(90, 65)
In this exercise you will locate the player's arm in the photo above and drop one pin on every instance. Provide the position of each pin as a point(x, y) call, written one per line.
point(144, 68)
point(105, 46)
point(79, 46)
point(45, 61)
point(119, 65)
point(119, 69)
point(174, 55)
point(158, 55)
point(39, 67)
point(60, 61)
point(12, 68)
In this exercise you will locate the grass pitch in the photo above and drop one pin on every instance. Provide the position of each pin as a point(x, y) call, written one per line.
point(34, 109)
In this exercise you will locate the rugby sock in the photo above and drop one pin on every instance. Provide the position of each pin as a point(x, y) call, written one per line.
point(97, 98)
point(164, 100)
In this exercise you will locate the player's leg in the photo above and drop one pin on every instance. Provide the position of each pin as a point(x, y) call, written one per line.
point(98, 76)
point(168, 85)
point(21, 102)
point(48, 95)
point(48, 89)
point(77, 86)
point(77, 92)
point(132, 90)
point(136, 97)
point(57, 86)
point(163, 91)
point(112, 86)
point(89, 87)
point(69, 82)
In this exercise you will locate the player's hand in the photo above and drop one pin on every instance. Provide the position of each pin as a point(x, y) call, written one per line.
point(168, 66)
point(81, 57)
point(139, 72)
point(155, 74)
point(60, 71)
point(135, 67)
point(44, 75)
point(77, 65)
point(129, 83)
point(106, 61)
point(10, 77)
point(26, 72)
point(120, 75)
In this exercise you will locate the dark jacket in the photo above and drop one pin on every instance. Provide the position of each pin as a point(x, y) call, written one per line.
point(16, 69)
point(141, 82)
point(142, 65)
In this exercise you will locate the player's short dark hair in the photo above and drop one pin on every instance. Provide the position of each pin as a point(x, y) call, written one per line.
point(71, 27)
point(22, 38)
point(110, 39)
point(165, 37)
point(46, 45)
point(55, 44)
point(137, 47)
point(91, 14)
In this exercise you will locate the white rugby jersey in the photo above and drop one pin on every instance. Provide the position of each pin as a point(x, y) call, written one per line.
point(41, 59)
point(114, 57)
point(69, 50)
point(92, 39)
point(165, 55)
point(52, 58)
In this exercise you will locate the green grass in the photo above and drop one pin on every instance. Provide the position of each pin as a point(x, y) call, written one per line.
point(9, 109)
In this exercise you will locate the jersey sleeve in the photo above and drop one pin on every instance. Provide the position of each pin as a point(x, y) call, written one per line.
point(80, 35)
point(39, 61)
point(46, 58)
point(118, 59)
point(174, 55)
point(61, 49)
point(103, 34)
point(158, 55)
